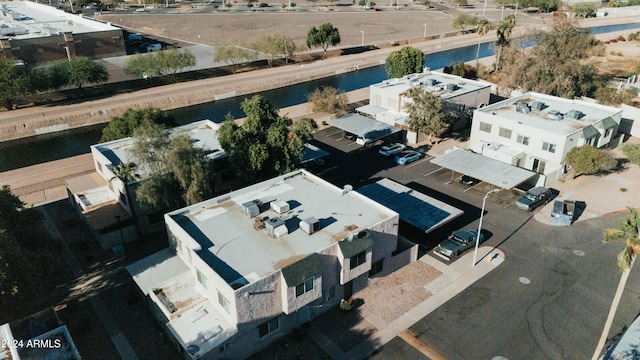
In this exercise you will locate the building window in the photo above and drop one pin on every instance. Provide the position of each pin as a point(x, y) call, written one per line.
point(224, 347)
point(485, 127)
point(607, 132)
point(201, 278)
point(376, 267)
point(99, 166)
point(123, 198)
point(268, 327)
point(332, 293)
point(523, 140)
point(358, 260)
point(548, 147)
point(304, 287)
point(224, 302)
point(505, 133)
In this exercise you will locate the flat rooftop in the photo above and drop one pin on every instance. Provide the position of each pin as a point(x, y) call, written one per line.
point(27, 19)
point(550, 113)
point(441, 84)
point(204, 134)
point(240, 254)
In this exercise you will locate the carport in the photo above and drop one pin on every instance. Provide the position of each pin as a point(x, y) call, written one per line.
point(364, 127)
point(485, 169)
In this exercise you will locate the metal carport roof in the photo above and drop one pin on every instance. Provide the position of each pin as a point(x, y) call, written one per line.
point(364, 126)
point(483, 168)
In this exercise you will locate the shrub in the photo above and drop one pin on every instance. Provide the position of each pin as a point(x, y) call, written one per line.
point(633, 152)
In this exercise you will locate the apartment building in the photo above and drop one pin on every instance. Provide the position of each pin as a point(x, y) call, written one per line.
point(245, 268)
point(535, 131)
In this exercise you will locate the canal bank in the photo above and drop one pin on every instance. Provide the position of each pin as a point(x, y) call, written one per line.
point(23, 123)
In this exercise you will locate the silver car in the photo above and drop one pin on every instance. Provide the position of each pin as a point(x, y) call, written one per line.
point(458, 242)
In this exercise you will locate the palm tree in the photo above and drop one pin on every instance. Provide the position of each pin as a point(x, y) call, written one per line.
point(125, 172)
point(504, 34)
point(482, 28)
point(628, 228)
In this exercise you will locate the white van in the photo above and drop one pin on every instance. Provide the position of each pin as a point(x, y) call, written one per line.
point(154, 47)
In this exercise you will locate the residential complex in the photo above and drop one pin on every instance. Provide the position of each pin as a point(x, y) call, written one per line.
point(535, 131)
point(387, 102)
point(246, 268)
point(37, 33)
point(108, 204)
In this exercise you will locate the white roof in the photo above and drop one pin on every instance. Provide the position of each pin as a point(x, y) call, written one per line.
point(457, 85)
point(203, 132)
point(27, 19)
point(156, 269)
point(364, 126)
point(241, 254)
point(545, 119)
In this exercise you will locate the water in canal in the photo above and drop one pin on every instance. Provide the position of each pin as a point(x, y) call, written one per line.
point(39, 149)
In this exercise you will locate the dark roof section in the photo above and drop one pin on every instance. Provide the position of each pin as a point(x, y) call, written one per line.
point(589, 131)
point(360, 242)
point(300, 271)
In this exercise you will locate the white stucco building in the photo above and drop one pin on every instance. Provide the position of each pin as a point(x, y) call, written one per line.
point(535, 131)
point(245, 268)
point(387, 104)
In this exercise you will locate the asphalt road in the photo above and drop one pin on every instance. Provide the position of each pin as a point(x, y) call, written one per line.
point(548, 300)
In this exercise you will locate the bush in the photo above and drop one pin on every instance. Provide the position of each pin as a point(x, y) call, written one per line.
point(633, 152)
point(588, 160)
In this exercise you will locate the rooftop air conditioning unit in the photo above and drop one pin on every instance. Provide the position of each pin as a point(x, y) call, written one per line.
point(280, 207)
point(537, 105)
point(431, 82)
point(276, 227)
point(252, 208)
point(523, 108)
point(310, 225)
point(451, 87)
point(574, 114)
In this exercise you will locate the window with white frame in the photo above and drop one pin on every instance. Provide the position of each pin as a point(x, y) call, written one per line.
point(358, 259)
point(224, 302)
point(268, 327)
point(304, 286)
point(201, 278)
point(549, 147)
point(505, 133)
point(524, 140)
point(485, 127)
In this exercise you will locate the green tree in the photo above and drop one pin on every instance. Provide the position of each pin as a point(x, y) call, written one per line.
point(234, 54)
point(405, 61)
point(165, 62)
point(482, 28)
point(585, 10)
point(632, 151)
point(611, 96)
point(324, 36)
point(124, 126)
point(125, 171)
point(556, 65)
point(461, 69)
point(14, 82)
point(77, 71)
point(425, 112)
point(275, 46)
point(628, 229)
point(503, 31)
point(266, 144)
point(463, 21)
point(588, 160)
point(329, 100)
point(177, 173)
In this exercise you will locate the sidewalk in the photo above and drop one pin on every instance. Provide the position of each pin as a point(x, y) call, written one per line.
point(455, 277)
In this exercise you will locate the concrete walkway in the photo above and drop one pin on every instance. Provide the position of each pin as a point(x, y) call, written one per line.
point(455, 278)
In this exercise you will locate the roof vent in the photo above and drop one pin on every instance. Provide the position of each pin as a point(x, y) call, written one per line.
point(523, 108)
point(280, 207)
point(310, 225)
point(451, 87)
point(574, 114)
point(275, 227)
point(346, 189)
point(431, 82)
point(537, 105)
point(252, 208)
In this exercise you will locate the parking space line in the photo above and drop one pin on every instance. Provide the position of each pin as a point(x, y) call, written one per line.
point(412, 339)
point(333, 133)
point(419, 161)
point(433, 172)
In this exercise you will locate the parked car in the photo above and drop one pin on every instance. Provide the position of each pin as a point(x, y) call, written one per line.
point(534, 198)
point(407, 157)
point(391, 149)
point(458, 242)
point(154, 47)
point(363, 141)
point(350, 136)
point(140, 10)
point(468, 180)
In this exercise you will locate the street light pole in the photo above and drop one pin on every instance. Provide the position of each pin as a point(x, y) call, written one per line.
point(484, 200)
point(362, 31)
point(424, 36)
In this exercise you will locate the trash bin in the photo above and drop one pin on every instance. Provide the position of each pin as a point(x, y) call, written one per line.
point(563, 212)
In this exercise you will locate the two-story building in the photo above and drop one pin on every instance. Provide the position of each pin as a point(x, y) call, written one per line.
point(108, 203)
point(535, 131)
point(387, 102)
point(245, 268)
